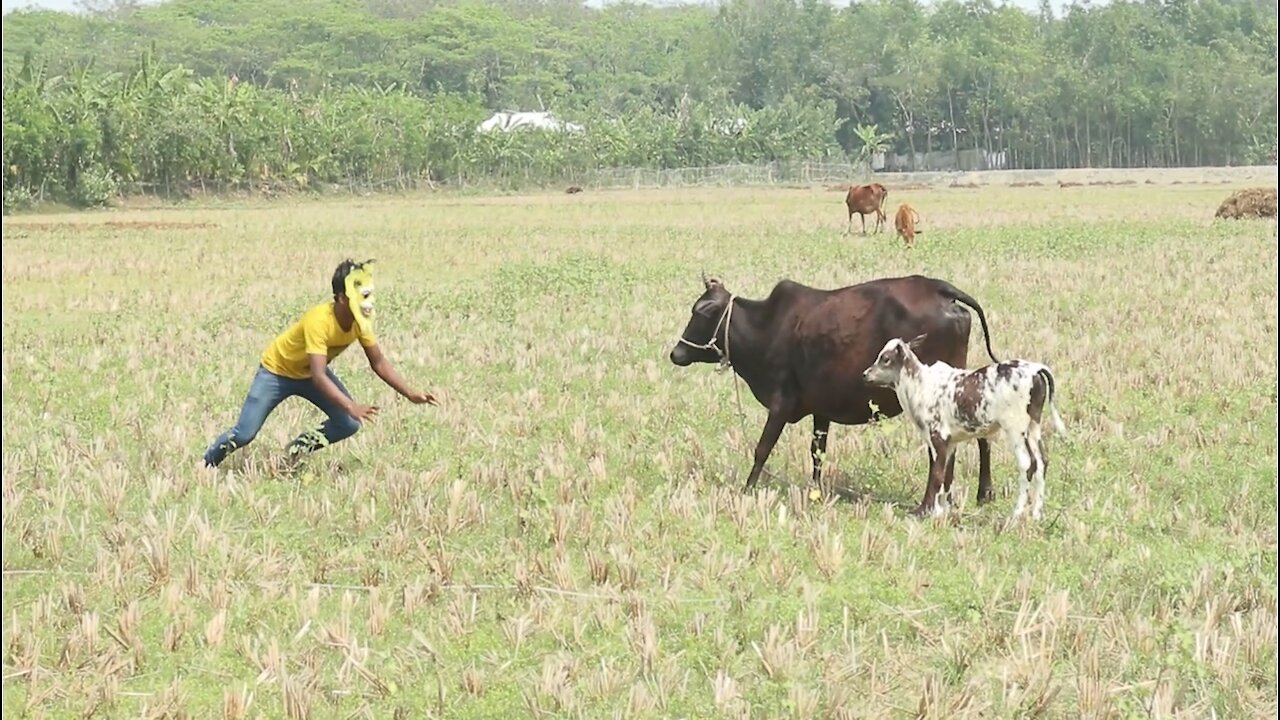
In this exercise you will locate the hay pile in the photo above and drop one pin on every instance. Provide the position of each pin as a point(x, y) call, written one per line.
point(1249, 203)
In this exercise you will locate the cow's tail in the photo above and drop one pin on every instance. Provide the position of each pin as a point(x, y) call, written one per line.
point(955, 293)
point(1058, 426)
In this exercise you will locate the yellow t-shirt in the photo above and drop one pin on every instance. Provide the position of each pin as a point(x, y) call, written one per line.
point(317, 333)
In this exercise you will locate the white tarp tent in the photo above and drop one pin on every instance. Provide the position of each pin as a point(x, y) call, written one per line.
point(508, 121)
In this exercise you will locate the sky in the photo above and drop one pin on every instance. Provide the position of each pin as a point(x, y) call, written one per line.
point(47, 4)
point(70, 5)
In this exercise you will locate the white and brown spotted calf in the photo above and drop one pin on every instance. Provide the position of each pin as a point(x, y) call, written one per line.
point(950, 406)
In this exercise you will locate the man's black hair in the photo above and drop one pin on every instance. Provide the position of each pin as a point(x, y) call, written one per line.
point(340, 274)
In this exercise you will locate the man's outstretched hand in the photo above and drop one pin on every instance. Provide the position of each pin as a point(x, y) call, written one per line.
point(419, 397)
point(363, 413)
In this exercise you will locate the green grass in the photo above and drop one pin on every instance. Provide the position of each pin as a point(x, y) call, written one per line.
point(566, 536)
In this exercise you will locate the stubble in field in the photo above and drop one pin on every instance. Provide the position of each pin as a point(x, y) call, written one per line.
point(566, 535)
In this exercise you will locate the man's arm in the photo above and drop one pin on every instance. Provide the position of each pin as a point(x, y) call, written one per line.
point(319, 364)
point(314, 340)
point(385, 370)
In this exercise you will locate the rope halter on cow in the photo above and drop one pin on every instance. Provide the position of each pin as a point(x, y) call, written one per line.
point(725, 318)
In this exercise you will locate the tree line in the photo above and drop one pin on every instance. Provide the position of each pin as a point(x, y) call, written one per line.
point(226, 94)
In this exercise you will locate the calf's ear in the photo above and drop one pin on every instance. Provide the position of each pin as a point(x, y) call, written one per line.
point(916, 342)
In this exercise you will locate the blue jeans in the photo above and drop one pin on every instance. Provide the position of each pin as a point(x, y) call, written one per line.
point(269, 390)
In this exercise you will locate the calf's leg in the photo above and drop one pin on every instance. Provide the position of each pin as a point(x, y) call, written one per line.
point(818, 448)
point(939, 454)
point(1026, 468)
point(942, 501)
point(764, 446)
point(1041, 460)
point(957, 357)
point(948, 479)
point(985, 493)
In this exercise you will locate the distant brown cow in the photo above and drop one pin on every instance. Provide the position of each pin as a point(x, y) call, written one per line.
point(866, 199)
point(905, 223)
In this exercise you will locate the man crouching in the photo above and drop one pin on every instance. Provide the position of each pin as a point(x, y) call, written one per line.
point(297, 363)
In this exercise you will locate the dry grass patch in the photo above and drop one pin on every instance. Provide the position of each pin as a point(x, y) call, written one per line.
point(565, 535)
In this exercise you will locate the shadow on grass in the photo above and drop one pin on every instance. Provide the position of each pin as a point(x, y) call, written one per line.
point(871, 489)
point(845, 488)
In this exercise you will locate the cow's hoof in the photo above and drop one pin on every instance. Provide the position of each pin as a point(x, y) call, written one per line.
point(921, 511)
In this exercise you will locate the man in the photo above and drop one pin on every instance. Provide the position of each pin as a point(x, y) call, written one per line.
point(297, 363)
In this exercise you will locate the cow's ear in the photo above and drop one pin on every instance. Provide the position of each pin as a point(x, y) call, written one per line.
point(916, 342)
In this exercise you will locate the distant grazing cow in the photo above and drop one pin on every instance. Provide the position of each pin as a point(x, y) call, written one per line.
point(950, 406)
point(864, 200)
point(802, 351)
point(905, 223)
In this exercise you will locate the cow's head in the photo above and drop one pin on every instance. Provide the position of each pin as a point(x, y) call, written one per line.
point(897, 356)
point(703, 338)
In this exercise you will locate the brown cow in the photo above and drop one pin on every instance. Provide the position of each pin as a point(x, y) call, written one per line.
point(802, 352)
point(905, 222)
point(865, 199)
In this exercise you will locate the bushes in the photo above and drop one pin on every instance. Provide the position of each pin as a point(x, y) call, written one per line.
point(82, 138)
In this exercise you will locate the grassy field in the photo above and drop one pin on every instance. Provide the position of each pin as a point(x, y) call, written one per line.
point(565, 536)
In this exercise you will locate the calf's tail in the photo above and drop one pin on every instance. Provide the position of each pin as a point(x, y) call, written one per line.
point(1058, 426)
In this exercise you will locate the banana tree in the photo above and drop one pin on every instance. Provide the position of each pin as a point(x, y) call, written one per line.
point(873, 143)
